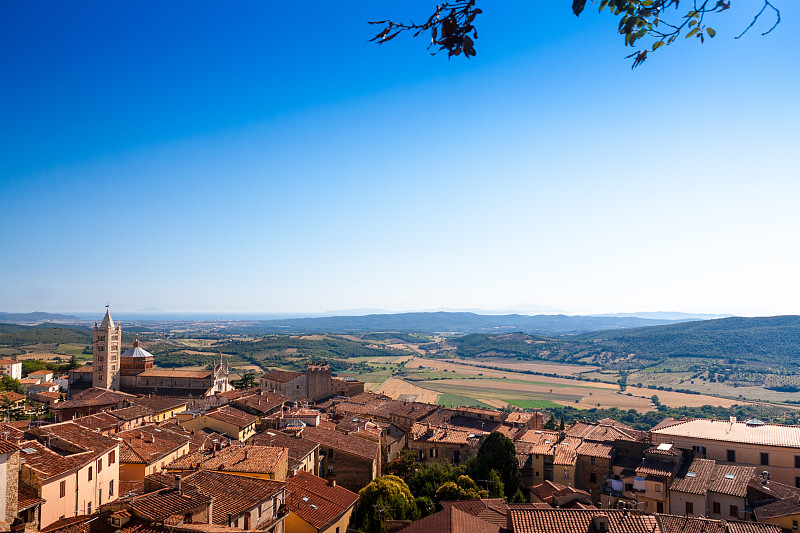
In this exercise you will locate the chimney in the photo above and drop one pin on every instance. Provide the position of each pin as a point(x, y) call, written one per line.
point(178, 484)
point(331, 482)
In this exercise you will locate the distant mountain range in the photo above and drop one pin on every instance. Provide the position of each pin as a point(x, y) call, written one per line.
point(457, 323)
point(37, 317)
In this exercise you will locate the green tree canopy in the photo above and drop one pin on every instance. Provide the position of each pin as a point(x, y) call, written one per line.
point(385, 498)
point(498, 453)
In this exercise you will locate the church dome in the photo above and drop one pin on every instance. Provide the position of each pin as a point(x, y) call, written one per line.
point(136, 351)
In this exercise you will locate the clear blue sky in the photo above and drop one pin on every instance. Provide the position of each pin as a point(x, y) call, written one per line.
point(263, 157)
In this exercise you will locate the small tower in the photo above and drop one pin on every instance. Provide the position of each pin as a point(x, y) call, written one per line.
point(107, 342)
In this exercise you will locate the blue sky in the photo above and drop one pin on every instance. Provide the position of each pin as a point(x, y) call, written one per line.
point(263, 157)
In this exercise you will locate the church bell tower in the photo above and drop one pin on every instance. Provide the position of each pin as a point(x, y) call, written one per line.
point(106, 348)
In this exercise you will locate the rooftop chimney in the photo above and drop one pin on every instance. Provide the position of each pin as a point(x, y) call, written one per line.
point(331, 482)
point(178, 484)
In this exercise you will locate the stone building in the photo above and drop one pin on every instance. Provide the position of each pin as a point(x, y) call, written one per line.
point(133, 370)
point(313, 385)
point(593, 467)
point(106, 346)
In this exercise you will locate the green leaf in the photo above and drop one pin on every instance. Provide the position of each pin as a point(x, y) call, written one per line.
point(711, 32)
point(693, 32)
point(647, 3)
point(658, 45)
point(577, 6)
point(692, 23)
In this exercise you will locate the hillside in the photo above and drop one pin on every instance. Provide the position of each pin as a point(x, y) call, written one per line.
point(453, 323)
point(749, 342)
point(36, 317)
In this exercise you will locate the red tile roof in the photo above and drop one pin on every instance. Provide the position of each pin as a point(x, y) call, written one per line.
point(148, 444)
point(234, 458)
point(232, 494)
point(491, 510)
point(451, 520)
point(317, 502)
point(530, 520)
point(233, 416)
point(164, 503)
point(339, 441)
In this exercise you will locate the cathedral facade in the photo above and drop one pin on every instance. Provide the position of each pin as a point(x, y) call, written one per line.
point(133, 371)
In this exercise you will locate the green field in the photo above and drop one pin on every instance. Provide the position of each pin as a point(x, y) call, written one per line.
point(531, 404)
point(456, 400)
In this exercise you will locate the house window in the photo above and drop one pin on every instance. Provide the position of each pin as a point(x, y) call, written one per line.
point(90, 473)
point(330, 470)
point(63, 489)
point(593, 460)
point(89, 508)
point(794, 525)
point(734, 511)
point(421, 454)
point(764, 458)
point(592, 477)
point(689, 508)
point(112, 457)
point(732, 456)
point(658, 487)
point(99, 465)
point(330, 454)
point(111, 488)
point(629, 488)
point(797, 482)
point(797, 461)
point(715, 507)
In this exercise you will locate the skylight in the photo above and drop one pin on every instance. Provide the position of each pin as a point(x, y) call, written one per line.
point(29, 450)
point(728, 476)
point(691, 474)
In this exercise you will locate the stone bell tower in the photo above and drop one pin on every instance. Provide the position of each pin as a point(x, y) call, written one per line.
point(107, 339)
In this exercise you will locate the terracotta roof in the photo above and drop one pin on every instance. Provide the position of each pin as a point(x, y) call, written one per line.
point(725, 431)
point(694, 477)
point(9, 362)
point(132, 413)
point(164, 503)
point(232, 494)
point(548, 491)
point(784, 507)
point(232, 415)
point(525, 519)
point(736, 526)
point(6, 446)
point(260, 403)
point(40, 373)
point(148, 444)
point(491, 510)
point(165, 373)
point(655, 467)
point(518, 417)
point(598, 432)
point(50, 463)
point(451, 520)
point(564, 451)
point(12, 396)
point(281, 376)
point(197, 439)
point(27, 497)
point(99, 421)
point(595, 449)
point(444, 434)
point(79, 436)
point(731, 479)
point(315, 501)
point(339, 441)
point(757, 490)
point(159, 403)
point(299, 449)
point(234, 458)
